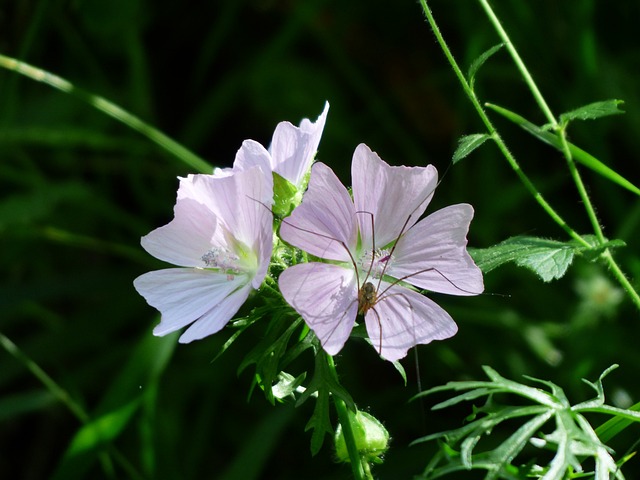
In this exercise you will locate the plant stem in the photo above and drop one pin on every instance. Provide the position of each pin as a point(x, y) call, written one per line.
point(360, 471)
point(109, 108)
point(494, 133)
point(519, 63)
point(561, 132)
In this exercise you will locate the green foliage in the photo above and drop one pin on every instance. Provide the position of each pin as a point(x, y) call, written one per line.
point(573, 439)
point(468, 144)
point(323, 384)
point(593, 111)
point(479, 62)
point(549, 259)
point(577, 153)
point(79, 189)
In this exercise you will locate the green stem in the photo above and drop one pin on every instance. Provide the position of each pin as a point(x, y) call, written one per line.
point(519, 63)
point(562, 135)
point(357, 462)
point(109, 108)
point(494, 133)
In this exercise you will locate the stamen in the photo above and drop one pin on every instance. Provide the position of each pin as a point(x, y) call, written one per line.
point(221, 258)
point(377, 260)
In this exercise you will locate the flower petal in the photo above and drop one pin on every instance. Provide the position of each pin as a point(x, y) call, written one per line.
point(293, 148)
point(240, 201)
point(215, 319)
point(402, 319)
point(326, 296)
point(185, 239)
point(183, 295)
point(252, 154)
point(433, 254)
point(324, 223)
point(392, 195)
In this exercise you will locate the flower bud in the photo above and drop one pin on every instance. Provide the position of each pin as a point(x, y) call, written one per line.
point(372, 439)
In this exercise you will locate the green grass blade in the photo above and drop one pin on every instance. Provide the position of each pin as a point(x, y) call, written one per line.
point(110, 109)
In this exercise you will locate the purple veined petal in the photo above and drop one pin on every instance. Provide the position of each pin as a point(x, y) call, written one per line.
point(240, 201)
point(185, 239)
point(436, 248)
point(293, 148)
point(324, 219)
point(393, 195)
point(407, 319)
point(326, 297)
point(183, 295)
point(215, 319)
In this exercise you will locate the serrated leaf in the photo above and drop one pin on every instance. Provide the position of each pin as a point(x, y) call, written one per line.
point(269, 351)
point(325, 385)
point(549, 259)
point(593, 111)
point(577, 153)
point(478, 62)
point(468, 144)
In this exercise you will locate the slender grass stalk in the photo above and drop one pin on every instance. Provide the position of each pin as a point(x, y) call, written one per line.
point(63, 396)
point(60, 393)
point(114, 111)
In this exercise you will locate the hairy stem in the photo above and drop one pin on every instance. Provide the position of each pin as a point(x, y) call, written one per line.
point(561, 131)
point(494, 133)
point(359, 467)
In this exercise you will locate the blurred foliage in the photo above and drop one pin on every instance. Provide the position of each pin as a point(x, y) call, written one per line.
point(78, 190)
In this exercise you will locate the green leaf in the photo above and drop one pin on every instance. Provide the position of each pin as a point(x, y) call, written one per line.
point(478, 62)
point(573, 439)
point(593, 111)
point(596, 249)
point(549, 259)
point(324, 385)
point(268, 353)
point(577, 153)
point(468, 144)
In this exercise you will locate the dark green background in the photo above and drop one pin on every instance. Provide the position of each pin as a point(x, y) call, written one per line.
point(211, 74)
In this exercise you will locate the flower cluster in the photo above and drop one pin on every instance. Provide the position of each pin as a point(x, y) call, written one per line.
point(367, 254)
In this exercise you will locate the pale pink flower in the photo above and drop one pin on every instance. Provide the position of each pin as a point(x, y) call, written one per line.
point(222, 237)
point(290, 154)
point(430, 254)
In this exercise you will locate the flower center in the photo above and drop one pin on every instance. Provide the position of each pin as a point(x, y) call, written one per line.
point(219, 257)
point(375, 261)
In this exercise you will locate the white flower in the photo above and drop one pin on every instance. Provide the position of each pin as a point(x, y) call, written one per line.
point(221, 237)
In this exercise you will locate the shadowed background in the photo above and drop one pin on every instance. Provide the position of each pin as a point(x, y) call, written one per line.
point(78, 190)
